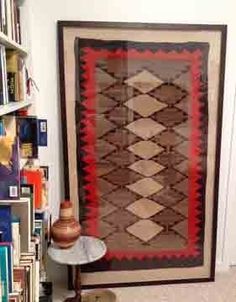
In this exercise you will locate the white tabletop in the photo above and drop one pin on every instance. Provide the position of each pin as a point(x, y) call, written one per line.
point(86, 250)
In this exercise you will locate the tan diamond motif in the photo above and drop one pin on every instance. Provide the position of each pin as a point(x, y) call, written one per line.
point(146, 167)
point(144, 104)
point(103, 80)
point(145, 229)
point(145, 128)
point(145, 187)
point(145, 149)
point(144, 208)
point(144, 81)
point(103, 125)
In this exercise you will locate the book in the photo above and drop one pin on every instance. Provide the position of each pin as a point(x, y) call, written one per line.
point(5, 223)
point(9, 161)
point(35, 178)
point(27, 191)
point(12, 72)
point(28, 136)
point(8, 17)
point(3, 17)
point(2, 101)
point(19, 277)
point(18, 33)
point(4, 273)
point(15, 224)
point(42, 133)
point(4, 88)
point(15, 74)
point(29, 264)
point(9, 247)
point(23, 210)
point(14, 297)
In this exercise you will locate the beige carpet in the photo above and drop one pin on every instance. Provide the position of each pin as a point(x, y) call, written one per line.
point(223, 290)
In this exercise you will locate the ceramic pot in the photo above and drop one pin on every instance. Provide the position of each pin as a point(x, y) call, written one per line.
point(66, 230)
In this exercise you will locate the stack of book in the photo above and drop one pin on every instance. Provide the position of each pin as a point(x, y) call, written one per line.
point(22, 252)
point(24, 221)
point(13, 76)
point(10, 19)
point(20, 138)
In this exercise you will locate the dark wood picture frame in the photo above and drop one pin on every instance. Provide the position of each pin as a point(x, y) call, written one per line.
point(222, 29)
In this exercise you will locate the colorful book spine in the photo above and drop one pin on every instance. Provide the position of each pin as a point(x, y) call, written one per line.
point(42, 133)
point(34, 177)
point(9, 248)
point(28, 136)
point(4, 273)
point(1, 77)
point(9, 168)
point(16, 239)
point(5, 223)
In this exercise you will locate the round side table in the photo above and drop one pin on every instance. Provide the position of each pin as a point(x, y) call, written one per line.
point(86, 250)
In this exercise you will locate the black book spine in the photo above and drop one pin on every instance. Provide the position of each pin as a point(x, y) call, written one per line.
point(11, 86)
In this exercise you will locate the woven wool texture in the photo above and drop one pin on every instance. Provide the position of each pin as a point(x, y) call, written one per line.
point(141, 127)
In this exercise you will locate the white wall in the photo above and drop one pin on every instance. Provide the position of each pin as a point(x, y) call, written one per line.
point(45, 13)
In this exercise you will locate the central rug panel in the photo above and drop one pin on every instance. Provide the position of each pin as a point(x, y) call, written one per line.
point(141, 132)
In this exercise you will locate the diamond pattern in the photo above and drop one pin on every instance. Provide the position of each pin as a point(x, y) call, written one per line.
point(121, 219)
point(121, 138)
point(103, 80)
point(103, 148)
point(184, 80)
point(168, 197)
point(144, 229)
point(120, 92)
point(146, 167)
point(145, 128)
point(105, 229)
point(144, 208)
point(106, 208)
point(168, 93)
point(144, 81)
point(104, 167)
point(104, 104)
point(145, 187)
point(184, 129)
point(143, 125)
point(144, 104)
point(170, 116)
point(121, 197)
point(121, 115)
point(183, 148)
point(169, 176)
point(184, 105)
point(182, 228)
point(122, 177)
point(167, 218)
point(103, 125)
point(183, 167)
point(104, 187)
point(145, 149)
point(121, 158)
point(169, 159)
point(183, 187)
point(182, 207)
point(168, 138)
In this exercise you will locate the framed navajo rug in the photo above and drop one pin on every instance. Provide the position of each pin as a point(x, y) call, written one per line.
point(141, 109)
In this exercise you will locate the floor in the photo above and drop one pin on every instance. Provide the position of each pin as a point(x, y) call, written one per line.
point(222, 290)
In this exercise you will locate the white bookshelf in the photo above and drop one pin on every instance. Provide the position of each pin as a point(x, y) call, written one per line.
point(13, 201)
point(11, 44)
point(13, 106)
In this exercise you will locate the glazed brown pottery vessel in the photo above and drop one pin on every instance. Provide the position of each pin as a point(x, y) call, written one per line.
point(66, 230)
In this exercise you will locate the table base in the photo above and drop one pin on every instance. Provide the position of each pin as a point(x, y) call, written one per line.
point(94, 296)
